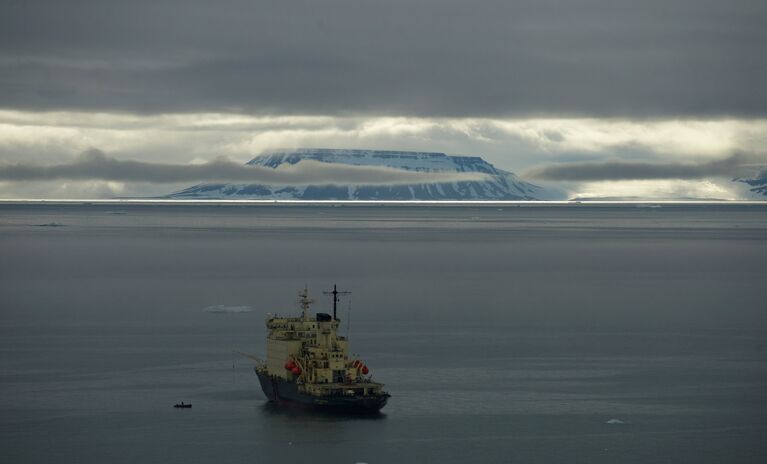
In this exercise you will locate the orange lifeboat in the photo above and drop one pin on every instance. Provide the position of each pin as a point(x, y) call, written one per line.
point(357, 364)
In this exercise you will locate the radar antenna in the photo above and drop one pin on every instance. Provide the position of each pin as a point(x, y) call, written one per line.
point(335, 294)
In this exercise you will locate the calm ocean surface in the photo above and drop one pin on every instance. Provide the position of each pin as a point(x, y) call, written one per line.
point(546, 334)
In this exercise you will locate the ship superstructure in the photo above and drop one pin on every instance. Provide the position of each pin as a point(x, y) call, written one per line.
point(308, 363)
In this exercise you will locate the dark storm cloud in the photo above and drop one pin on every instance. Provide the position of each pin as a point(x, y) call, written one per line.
point(95, 165)
point(731, 166)
point(654, 58)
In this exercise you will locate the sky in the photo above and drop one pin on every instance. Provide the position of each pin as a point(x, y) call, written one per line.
point(653, 98)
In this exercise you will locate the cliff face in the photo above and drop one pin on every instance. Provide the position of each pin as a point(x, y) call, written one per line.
point(501, 185)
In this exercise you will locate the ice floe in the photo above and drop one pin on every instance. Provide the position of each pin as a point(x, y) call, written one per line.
point(220, 309)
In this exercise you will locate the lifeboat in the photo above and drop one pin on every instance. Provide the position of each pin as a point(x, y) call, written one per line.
point(357, 364)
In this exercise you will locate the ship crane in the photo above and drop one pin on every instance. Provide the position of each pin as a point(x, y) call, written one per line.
point(335, 294)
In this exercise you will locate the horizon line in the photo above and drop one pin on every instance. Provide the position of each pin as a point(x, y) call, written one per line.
point(160, 201)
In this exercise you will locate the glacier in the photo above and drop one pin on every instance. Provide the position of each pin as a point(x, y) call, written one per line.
point(499, 184)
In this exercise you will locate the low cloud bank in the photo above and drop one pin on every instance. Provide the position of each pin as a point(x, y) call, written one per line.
point(95, 165)
point(586, 171)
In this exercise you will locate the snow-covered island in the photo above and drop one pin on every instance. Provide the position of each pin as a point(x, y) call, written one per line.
point(499, 184)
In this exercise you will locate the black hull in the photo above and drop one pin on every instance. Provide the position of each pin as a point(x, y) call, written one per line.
point(281, 391)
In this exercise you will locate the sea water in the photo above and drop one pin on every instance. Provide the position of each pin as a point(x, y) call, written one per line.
point(567, 333)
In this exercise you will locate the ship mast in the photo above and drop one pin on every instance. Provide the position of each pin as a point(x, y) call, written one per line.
point(305, 301)
point(335, 294)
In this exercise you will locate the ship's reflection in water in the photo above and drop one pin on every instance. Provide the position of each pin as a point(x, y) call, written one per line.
point(291, 410)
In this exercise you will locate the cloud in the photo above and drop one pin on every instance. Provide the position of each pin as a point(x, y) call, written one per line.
point(51, 138)
point(449, 58)
point(643, 170)
point(95, 165)
point(662, 189)
point(512, 144)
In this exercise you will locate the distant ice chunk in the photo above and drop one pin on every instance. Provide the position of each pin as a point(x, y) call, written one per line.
point(615, 422)
point(223, 309)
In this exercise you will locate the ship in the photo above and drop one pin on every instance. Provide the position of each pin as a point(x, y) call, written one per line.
point(308, 364)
